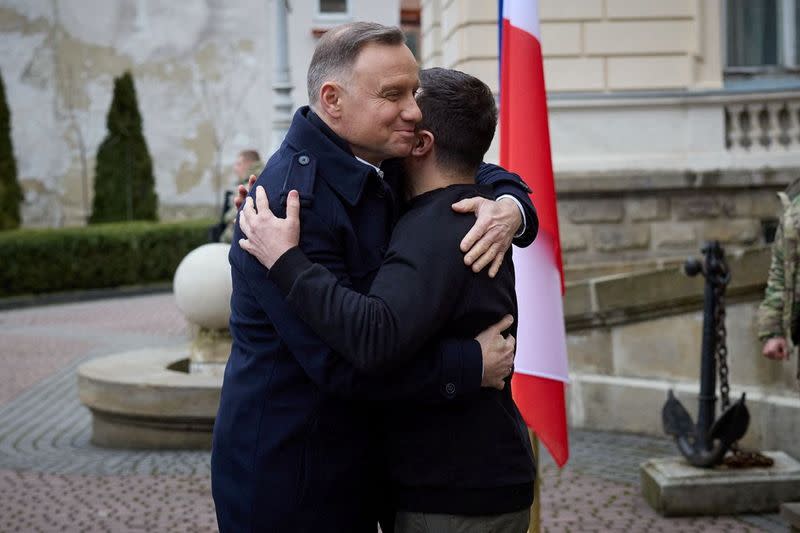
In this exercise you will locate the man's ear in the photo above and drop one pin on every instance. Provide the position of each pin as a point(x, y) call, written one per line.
point(330, 99)
point(423, 144)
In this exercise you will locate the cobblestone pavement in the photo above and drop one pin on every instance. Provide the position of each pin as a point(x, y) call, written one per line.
point(53, 479)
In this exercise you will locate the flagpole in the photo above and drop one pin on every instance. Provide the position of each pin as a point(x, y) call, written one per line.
point(535, 525)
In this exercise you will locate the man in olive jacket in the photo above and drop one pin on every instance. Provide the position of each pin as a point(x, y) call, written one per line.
point(778, 313)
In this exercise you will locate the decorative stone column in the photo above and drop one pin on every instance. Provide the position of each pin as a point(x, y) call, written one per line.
point(202, 288)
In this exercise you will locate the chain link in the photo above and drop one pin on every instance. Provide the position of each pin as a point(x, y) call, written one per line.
point(721, 351)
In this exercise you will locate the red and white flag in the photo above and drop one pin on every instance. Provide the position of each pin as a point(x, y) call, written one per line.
point(541, 370)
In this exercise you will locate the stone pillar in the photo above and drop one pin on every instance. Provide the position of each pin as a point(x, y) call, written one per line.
point(209, 351)
point(281, 84)
point(203, 289)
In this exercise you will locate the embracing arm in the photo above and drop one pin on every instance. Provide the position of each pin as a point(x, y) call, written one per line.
point(411, 298)
point(510, 185)
point(445, 370)
point(511, 217)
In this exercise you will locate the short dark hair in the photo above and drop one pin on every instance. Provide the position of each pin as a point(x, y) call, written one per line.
point(250, 155)
point(339, 47)
point(460, 111)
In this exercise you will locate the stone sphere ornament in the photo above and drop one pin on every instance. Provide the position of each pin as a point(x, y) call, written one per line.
point(202, 286)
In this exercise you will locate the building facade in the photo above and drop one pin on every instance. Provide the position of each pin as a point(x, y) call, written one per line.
point(671, 122)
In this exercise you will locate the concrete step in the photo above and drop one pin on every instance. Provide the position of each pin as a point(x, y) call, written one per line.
point(674, 488)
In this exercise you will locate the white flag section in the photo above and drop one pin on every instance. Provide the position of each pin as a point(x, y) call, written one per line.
point(523, 15)
point(541, 336)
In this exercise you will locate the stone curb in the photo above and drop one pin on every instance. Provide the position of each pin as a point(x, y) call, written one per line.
point(86, 295)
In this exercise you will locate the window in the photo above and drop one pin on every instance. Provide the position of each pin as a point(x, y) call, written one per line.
point(410, 24)
point(762, 36)
point(333, 7)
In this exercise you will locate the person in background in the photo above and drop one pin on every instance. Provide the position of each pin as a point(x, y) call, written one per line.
point(779, 312)
point(248, 162)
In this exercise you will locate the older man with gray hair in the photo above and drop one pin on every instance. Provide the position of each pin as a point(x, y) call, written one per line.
point(298, 444)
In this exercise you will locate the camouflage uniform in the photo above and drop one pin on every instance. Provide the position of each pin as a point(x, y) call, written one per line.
point(777, 314)
point(230, 214)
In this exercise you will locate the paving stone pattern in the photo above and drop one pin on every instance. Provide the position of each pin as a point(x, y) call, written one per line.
point(53, 479)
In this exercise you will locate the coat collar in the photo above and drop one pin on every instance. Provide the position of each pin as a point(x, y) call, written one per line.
point(335, 162)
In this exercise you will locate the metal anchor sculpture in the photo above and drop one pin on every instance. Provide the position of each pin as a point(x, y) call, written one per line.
point(706, 443)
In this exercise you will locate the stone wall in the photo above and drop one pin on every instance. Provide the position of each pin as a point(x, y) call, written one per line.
point(608, 219)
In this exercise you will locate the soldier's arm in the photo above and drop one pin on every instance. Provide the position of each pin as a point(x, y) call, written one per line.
point(770, 312)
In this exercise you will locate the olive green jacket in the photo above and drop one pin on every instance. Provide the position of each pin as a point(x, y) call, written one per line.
point(777, 313)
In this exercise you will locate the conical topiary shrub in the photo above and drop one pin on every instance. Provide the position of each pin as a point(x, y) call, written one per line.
point(124, 188)
point(10, 192)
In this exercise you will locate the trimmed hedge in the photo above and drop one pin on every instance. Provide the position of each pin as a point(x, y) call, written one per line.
point(36, 261)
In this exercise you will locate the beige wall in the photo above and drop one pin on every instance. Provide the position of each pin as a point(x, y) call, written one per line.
point(633, 85)
point(588, 45)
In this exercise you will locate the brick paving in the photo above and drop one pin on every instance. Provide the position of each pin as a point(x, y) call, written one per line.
point(53, 479)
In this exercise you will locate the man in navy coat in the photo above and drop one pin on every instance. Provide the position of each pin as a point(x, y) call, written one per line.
point(296, 446)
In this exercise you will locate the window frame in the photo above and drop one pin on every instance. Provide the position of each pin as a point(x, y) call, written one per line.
point(787, 52)
point(328, 17)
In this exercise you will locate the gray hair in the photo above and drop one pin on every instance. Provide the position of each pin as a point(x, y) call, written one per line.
point(339, 47)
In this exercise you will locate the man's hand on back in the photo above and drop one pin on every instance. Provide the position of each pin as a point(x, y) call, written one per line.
point(489, 239)
point(269, 237)
point(243, 190)
point(498, 353)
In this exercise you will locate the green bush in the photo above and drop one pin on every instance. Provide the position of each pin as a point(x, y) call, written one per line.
point(124, 187)
point(10, 192)
point(100, 256)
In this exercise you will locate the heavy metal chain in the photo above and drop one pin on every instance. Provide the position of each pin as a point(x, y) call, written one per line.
point(722, 346)
point(739, 457)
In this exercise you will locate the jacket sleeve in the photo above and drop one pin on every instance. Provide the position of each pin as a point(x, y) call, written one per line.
point(505, 182)
point(445, 371)
point(412, 297)
point(770, 312)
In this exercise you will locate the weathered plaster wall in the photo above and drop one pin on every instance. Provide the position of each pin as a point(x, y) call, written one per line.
point(203, 78)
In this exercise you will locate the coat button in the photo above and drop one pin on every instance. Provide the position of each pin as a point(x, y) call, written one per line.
point(303, 160)
point(450, 388)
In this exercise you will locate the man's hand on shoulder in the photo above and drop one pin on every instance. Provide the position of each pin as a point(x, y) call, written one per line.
point(776, 348)
point(498, 353)
point(490, 238)
point(269, 237)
